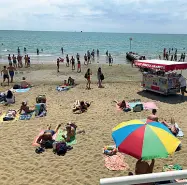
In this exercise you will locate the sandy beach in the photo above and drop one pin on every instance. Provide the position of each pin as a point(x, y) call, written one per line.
point(84, 165)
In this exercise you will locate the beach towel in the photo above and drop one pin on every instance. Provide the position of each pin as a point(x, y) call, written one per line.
point(149, 105)
point(36, 138)
point(3, 115)
point(115, 162)
point(66, 88)
point(22, 90)
point(60, 138)
point(133, 104)
point(26, 116)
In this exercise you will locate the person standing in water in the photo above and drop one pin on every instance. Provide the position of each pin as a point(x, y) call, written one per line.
point(73, 63)
point(89, 56)
point(18, 51)
point(78, 57)
point(11, 70)
point(25, 50)
point(107, 53)
point(62, 50)
point(37, 51)
point(97, 53)
point(14, 61)
point(85, 59)
point(110, 59)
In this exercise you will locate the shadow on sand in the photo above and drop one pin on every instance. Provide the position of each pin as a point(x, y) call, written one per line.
point(171, 99)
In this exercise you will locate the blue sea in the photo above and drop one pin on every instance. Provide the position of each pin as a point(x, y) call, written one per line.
point(150, 45)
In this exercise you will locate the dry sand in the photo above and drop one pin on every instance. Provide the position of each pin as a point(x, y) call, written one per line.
point(84, 165)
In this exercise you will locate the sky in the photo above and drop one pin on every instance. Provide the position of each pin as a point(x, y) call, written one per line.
point(125, 16)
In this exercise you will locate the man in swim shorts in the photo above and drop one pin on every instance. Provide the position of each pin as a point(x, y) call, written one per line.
point(11, 70)
point(47, 135)
point(14, 61)
point(5, 74)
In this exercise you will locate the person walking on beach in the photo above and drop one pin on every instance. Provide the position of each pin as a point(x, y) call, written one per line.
point(88, 76)
point(100, 77)
point(9, 59)
point(4, 72)
point(19, 58)
point(78, 66)
point(73, 63)
point(85, 59)
point(62, 50)
point(26, 61)
point(29, 61)
point(14, 61)
point(11, 70)
point(110, 60)
point(182, 82)
point(58, 64)
point(67, 61)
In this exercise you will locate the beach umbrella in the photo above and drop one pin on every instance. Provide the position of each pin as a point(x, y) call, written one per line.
point(144, 140)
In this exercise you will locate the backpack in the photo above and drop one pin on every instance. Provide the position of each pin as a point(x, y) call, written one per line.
point(16, 86)
point(138, 108)
point(86, 75)
point(102, 77)
point(59, 148)
point(48, 144)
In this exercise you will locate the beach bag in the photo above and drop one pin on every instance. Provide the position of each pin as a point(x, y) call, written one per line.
point(48, 144)
point(59, 148)
point(102, 76)
point(138, 108)
point(41, 99)
point(16, 86)
point(86, 75)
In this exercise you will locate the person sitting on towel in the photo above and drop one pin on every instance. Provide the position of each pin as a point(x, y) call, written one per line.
point(24, 83)
point(10, 98)
point(65, 83)
point(71, 81)
point(122, 104)
point(153, 116)
point(47, 135)
point(71, 132)
point(81, 106)
point(24, 107)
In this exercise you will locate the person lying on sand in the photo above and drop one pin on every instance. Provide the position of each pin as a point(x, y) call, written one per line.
point(171, 126)
point(71, 132)
point(24, 84)
point(81, 106)
point(153, 116)
point(47, 135)
point(122, 104)
point(24, 107)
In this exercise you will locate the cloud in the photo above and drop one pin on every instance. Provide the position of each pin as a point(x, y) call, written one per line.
point(155, 16)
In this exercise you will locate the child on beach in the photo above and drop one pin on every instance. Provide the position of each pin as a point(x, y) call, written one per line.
point(78, 66)
point(5, 74)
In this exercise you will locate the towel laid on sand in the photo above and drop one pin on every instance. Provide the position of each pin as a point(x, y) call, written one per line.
point(22, 90)
point(3, 115)
point(116, 162)
point(60, 138)
point(65, 88)
point(26, 116)
point(149, 105)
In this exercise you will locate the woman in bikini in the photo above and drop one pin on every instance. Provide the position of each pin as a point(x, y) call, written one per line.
point(88, 76)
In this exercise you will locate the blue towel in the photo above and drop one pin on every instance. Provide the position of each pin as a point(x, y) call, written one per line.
point(63, 88)
point(26, 116)
point(22, 90)
point(133, 104)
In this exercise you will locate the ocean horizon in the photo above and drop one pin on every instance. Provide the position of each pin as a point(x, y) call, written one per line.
point(149, 44)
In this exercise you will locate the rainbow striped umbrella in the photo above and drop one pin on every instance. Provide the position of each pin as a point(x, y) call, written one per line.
point(144, 140)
